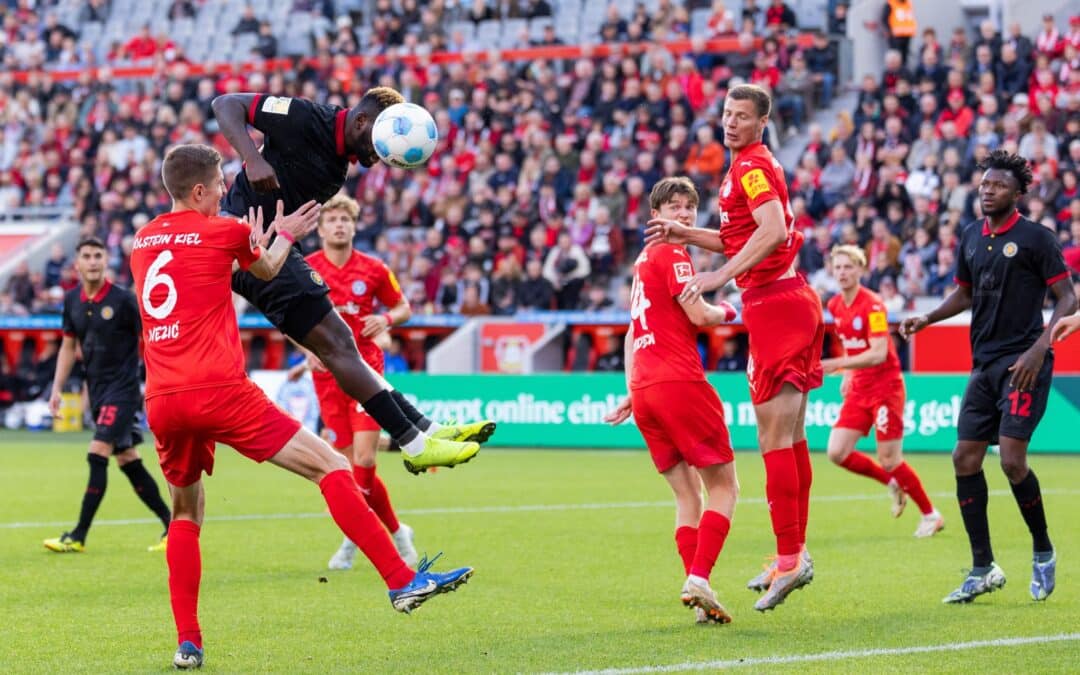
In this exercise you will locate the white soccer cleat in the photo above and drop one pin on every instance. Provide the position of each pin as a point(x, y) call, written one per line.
point(696, 593)
point(403, 542)
point(899, 499)
point(344, 556)
point(930, 524)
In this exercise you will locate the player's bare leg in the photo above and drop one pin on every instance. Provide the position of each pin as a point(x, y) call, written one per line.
point(971, 492)
point(708, 528)
point(842, 452)
point(1028, 495)
point(777, 419)
point(904, 483)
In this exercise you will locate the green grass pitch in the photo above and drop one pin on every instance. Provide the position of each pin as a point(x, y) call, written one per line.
point(575, 563)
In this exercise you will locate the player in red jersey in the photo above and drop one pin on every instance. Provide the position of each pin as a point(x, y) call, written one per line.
point(198, 393)
point(873, 391)
point(688, 441)
point(783, 318)
point(356, 281)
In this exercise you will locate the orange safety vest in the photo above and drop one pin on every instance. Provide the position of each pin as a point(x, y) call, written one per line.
point(902, 19)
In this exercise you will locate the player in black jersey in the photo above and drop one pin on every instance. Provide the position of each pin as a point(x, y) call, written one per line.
point(305, 155)
point(1004, 266)
point(103, 320)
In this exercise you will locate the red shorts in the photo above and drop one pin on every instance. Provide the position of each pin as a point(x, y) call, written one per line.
point(187, 424)
point(786, 329)
point(882, 409)
point(682, 422)
point(341, 415)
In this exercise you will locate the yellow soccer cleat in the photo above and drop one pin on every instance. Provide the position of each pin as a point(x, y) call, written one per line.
point(439, 452)
point(64, 544)
point(477, 432)
point(160, 546)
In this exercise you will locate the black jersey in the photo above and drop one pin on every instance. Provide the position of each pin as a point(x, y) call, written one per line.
point(1008, 272)
point(107, 327)
point(305, 144)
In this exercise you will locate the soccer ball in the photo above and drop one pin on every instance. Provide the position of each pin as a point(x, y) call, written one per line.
point(404, 135)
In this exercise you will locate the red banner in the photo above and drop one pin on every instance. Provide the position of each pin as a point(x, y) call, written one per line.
point(503, 345)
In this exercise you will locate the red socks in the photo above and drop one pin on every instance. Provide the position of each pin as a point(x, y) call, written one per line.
point(806, 479)
point(782, 493)
point(909, 482)
point(863, 465)
point(686, 541)
point(185, 571)
point(712, 531)
point(377, 497)
point(359, 523)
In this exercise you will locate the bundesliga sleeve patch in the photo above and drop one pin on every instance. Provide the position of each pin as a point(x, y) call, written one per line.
point(683, 272)
point(754, 183)
point(879, 323)
point(277, 105)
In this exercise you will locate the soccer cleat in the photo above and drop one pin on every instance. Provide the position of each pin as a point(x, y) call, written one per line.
point(975, 585)
point(783, 583)
point(930, 524)
point(64, 544)
point(809, 565)
point(439, 452)
point(760, 583)
point(403, 542)
point(899, 498)
point(426, 585)
point(343, 557)
point(1043, 578)
point(698, 595)
point(700, 616)
point(478, 432)
point(187, 656)
point(161, 546)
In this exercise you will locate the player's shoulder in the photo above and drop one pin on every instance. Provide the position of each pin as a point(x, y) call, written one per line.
point(73, 295)
point(1037, 231)
point(663, 252)
point(315, 258)
point(835, 304)
point(974, 227)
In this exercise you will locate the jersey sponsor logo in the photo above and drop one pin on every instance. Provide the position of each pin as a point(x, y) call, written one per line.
point(879, 323)
point(746, 163)
point(317, 278)
point(856, 323)
point(359, 287)
point(854, 343)
point(755, 183)
point(1010, 250)
point(107, 313)
point(644, 341)
point(277, 105)
point(684, 271)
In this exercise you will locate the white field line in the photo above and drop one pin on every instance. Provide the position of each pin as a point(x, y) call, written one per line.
point(514, 508)
point(835, 655)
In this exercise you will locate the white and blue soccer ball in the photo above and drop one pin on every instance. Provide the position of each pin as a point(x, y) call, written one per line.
point(404, 135)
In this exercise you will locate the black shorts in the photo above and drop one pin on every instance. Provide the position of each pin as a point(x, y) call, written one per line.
point(991, 408)
point(115, 422)
point(295, 301)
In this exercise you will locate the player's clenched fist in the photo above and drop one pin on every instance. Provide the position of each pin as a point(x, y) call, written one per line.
point(1065, 327)
point(912, 325)
point(261, 175)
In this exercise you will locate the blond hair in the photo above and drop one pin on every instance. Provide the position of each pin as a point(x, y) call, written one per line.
point(344, 203)
point(380, 98)
point(854, 253)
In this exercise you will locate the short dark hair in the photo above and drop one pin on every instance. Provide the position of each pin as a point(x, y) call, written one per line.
point(186, 166)
point(667, 188)
point(752, 92)
point(92, 242)
point(1014, 164)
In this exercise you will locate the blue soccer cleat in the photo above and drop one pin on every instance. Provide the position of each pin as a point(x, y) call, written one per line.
point(187, 656)
point(426, 585)
point(1042, 577)
point(977, 584)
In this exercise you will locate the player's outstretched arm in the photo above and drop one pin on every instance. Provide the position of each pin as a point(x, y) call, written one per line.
point(957, 301)
point(289, 228)
point(232, 112)
point(703, 314)
point(674, 232)
point(65, 361)
point(1066, 327)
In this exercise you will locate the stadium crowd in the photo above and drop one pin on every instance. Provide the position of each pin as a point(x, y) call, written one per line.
point(537, 195)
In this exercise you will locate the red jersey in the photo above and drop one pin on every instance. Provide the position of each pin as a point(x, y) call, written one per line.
point(665, 341)
point(182, 266)
point(354, 287)
point(866, 318)
point(754, 179)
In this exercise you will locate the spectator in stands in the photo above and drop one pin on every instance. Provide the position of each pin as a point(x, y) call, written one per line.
point(20, 286)
point(613, 359)
point(596, 299)
point(942, 272)
point(566, 268)
point(837, 177)
point(266, 44)
point(142, 46)
point(535, 292)
point(181, 9)
point(733, 359)
point(794, 91)
point(393, 360)
point(779, 16)
point(821, 60)
point(56, 263)
point(898, 20)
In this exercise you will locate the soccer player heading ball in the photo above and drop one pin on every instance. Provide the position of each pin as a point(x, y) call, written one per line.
point(688, 441)
point(783, 318)
point(873, 393)
point(1004, 267)
point(305, 156)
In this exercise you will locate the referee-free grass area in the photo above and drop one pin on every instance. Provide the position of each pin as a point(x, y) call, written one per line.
point(575, 570)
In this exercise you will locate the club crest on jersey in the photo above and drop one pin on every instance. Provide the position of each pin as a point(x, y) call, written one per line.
point(1010, 249)
point(317, 278)
point(107, 313)
point(856, 323)
point(754, 183)
point(277, 105)
point(359, 287)
point(684, 271)
point(726, 189)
